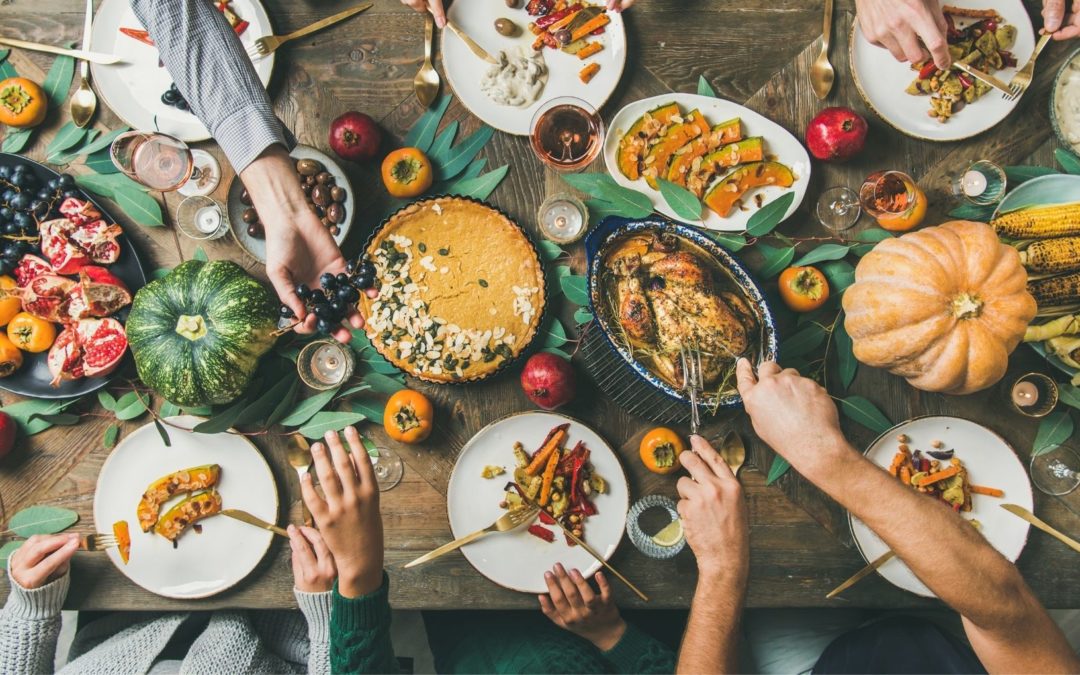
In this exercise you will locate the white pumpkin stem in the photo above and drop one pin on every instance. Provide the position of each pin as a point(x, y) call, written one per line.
point(967, 306)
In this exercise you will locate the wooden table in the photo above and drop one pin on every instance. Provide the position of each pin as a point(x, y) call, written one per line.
point(753, 51)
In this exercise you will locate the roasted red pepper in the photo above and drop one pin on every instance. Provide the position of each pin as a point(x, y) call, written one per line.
point(138, 34)
point(575, 476)
point(546, 518)
point(542, 532)
point(545, 21)
point(924, 465)
point(965, 81)
point(598, 31)
point(927, 70)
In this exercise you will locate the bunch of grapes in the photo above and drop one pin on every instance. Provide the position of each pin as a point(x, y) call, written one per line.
point(336, 296)
point(25, 200)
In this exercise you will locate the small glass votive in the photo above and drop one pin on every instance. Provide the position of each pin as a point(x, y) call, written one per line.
point(838, 208)
point(563, 218)
point(324, 364)
point(1032, 395)
point(202, 218)
point(982, 183)
point(644, 542)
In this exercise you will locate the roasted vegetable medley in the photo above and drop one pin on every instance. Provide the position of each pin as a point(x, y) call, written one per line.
point(938, 473)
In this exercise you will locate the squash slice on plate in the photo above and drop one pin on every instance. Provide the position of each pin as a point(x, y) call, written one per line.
point(682, 162)
point(167, 487)
point(635, 142)
point(196, 507)
point(741, 152)
point(123, 539)
point(678, 135)
point(722, 197)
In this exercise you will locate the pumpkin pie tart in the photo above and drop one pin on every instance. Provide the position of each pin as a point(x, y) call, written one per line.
point(461, 290)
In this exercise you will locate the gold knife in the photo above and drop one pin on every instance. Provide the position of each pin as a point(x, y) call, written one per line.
point(987, 78)
point(861, 574)
point(245, 517)
point(1021, 512)
point(470, 43)
point(93, 57)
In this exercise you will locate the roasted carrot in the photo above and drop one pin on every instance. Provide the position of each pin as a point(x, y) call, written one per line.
point(938, 476)
point(905, 474)
point(553, 440)
point(588, 72)
point(988, 491)
point(563, 22)
point(589, 49)
point(534, 29)
point(549, 477)
point(589, 26)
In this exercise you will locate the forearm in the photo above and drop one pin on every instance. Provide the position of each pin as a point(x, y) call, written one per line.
point(360, 633)
point(211, 69)
point(30, 626)
point(710, 644)
point(270, 180)
point(316, 608)
point(639, 652)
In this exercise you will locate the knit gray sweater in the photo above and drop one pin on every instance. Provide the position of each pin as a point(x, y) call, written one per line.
point(131, 642)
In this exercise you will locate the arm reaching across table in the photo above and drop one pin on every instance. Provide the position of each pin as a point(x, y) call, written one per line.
point(1008, 628)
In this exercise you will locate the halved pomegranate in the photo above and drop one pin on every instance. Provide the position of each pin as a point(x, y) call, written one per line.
point(102, 293)
point(97, 239)
point(29, 268)
point(63, 254)
point(46, 297)
point(78, 211)
point(88, 348)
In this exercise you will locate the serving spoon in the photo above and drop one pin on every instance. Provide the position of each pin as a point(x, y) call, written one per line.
point(84, 101)
point(733, 451)
point(426, 82)
point(821, 72)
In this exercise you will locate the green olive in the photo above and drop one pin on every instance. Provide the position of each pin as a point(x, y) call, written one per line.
point(308, 167)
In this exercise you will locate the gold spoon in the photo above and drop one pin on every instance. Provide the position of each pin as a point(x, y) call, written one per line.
point(426, 82)
point(733, 451)
point(84, 101)
point(822, 73)
point(300, 459)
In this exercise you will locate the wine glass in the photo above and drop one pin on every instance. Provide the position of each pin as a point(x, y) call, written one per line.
point(894, 199)
point(201, 218)
point(388, 468)
point(161, 162)
point(838, 208)
point(566, 133)
point(1056, 472)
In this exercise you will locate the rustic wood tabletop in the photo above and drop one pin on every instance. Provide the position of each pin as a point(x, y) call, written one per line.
point(756, 52)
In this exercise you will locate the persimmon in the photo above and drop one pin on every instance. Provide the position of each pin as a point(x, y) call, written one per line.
point(23, 103)
point(407, 172)
point(11, 359)
point(803, 289)
point(31, 334)
point(409, 416)
point(9, 305)
point(660, 449)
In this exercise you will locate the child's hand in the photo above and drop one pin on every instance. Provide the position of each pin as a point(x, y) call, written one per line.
point(572, 604)
point(312, 563)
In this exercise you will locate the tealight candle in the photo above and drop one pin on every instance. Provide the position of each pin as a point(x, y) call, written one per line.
point(563, 218)
point(208, 219)
point(973, 183)
point(1025, 394)
point(324, 364)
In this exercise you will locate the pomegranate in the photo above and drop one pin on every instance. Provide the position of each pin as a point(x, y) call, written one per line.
point(101, 292)
point(64, 256)
point(29, 268)
point(548, 380)
point(98, 240)
point(355, 136)
point(87, 348)
point(836, 134)
point(7, 435)
point(79, 212)
point(47, 297)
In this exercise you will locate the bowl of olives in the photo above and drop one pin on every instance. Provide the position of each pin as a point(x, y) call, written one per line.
point(328, 192)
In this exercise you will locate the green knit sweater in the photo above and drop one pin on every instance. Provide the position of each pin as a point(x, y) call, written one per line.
point(360, 632)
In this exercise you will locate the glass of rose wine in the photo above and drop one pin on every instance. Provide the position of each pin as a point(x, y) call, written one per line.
point(566, 133)
point(161, 162)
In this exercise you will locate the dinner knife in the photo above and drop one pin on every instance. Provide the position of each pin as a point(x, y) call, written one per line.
point(986, 78)
point(470, 43)
point(245, 517)
point(1021, 512)
point(861, 574)
point(93, 57)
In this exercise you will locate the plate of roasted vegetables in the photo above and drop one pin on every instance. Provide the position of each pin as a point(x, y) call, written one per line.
point(732, 158)
point(140, 90)
point(961, 464)
point(544, 49)
point(925, 102)
point(162, 501)
point(545, 459)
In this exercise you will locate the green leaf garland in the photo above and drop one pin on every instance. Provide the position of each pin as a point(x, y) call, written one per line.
point(860, 410)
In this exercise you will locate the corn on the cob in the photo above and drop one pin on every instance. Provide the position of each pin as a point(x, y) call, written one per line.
point(1040, 222)
point(1052, 256)
point(1056, 291)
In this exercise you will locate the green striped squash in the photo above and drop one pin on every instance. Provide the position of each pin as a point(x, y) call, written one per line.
point(197, 334)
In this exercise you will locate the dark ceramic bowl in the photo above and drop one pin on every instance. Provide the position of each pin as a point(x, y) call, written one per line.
point(596, 248)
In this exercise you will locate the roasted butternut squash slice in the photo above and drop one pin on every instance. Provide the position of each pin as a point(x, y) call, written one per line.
point(123, 539)
point(682, 162)
point(167, 487)
point(678, 135)
point(196, 507)
point(635, 142)
point(741, 152)
point(721, 197)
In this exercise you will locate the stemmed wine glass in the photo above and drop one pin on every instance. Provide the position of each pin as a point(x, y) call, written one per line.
point(1056, 472)
point(388, 467)
point(161, 162)
point(566, 133)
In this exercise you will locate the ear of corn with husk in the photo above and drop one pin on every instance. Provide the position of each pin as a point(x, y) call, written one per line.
point(1065, 325)
point(1040, 222)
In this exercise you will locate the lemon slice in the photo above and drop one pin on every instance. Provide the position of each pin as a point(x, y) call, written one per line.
point(669, 536)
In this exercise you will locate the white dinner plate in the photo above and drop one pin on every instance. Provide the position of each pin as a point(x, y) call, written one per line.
point(255, 247)
point(202, 564)
point(518, 560)
point(881, 80)
point(989, 461)
point(779, 143)
point(464, 69)
point(133, 90)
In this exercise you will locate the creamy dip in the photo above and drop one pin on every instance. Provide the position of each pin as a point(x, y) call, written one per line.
point(516, 80)
point(1067, 103)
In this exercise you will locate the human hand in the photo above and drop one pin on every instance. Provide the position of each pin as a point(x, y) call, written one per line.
point(312, 563)
point(348, 515)
point(573, 605)
point(713, 514)
point(1056, 22)
point(43, 558)
point(433, 6)
point(899, 25)
point(618, 5)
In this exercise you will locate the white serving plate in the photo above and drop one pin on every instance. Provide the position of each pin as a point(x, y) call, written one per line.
point(517, 560)
point(133, 90)
point(989, 460)
point(881, 80)
point(779, 144)
point(464, 69)
point(203, 564)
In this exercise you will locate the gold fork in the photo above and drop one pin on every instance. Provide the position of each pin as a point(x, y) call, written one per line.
point(511, 520)
point(1022, 80)
point(97, 542)
point(266, 46)
point(300, 459)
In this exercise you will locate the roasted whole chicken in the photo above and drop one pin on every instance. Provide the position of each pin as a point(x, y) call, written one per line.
point(666, 296)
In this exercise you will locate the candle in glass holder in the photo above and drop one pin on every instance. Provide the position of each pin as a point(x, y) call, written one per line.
point(1025, 394)
point(563, 218)
point(208, 219)
point(324, 364)
point(973, 183)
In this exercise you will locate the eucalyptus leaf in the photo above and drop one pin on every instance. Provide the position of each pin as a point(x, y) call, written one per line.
point(1069, 394)
point(704, 88)
point(870, 239)
point(370, 409)
point(107, 400)
point(222, 421)
point(1067, 161)
point(169, 409)
point(441, 146)
point(10, 547)
point(590, 183)
point(163, 432)
point(16, 140)
point(803, 341)
point(322, 422)
point(575, 287)
point(382, 384)
point(160, 273)
point(58, 80)
point(975, 212)
point(600, 209)
point(284, 405)
point(1054, 429)
point(475, 168)
point(92, 146)
point(356, 389)
point(101, 162)
point(847, 364)
point(306, 409)
point(112, 432)
point(260, 408)
point(556, 351)
point(860, 410)
point(769, 216)
point(129, 408)
point(66, 138)
point(198, 411)
point(823, 253)
point(684, 203)
point(6, 69)
point(42, 520)
point(775, 259)
point(619, 200)
point(461, 155)
point(1016, 175)
point(779, 467)
point(549, 250)
point(57, 419)
point(840, 273)
point(200, 254)
point(23, 411)
point(422, 133)
point(554, 334)
point(480, 187)
point(138, 205)
point(730, 241)
point(373, 360)
point(583, 316)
